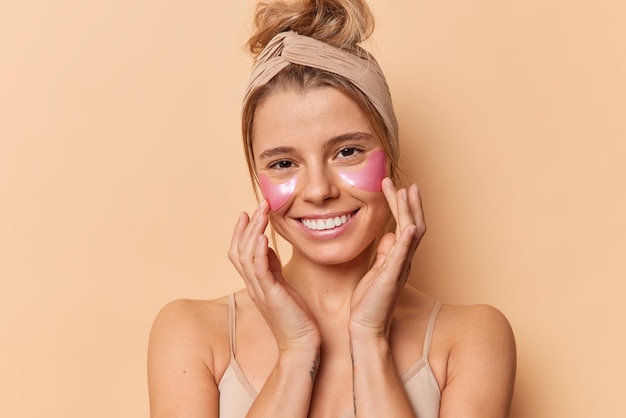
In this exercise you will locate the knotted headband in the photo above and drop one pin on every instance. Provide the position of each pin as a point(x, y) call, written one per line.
point(364, 72)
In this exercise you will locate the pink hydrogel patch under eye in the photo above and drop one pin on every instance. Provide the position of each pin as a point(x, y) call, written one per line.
point(277, 194)
point(370, 177)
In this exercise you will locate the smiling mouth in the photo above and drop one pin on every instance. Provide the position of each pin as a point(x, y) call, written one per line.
point(326, 223)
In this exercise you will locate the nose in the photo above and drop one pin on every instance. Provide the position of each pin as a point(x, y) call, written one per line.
point(319, 184)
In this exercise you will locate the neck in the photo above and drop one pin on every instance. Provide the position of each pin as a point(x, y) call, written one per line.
point(327, 289)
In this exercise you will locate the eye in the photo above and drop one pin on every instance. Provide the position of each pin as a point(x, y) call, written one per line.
point(348, 152)
point(281, 165)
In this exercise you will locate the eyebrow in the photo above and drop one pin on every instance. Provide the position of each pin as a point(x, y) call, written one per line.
point(349, 137)
point(272, 152)
point(333, 142)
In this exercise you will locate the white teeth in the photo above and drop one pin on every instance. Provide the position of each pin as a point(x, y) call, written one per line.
point(324, 224)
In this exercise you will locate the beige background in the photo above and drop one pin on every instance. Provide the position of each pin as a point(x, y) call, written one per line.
point(121, 177)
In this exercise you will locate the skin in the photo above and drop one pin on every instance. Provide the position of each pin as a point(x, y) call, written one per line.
point(328, 332)
point(277, 194)
point(369, 177)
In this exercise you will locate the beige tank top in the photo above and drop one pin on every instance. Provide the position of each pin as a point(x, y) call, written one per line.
point(420, 384)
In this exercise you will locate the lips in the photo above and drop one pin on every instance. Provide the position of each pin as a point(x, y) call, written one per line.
point(324, 224)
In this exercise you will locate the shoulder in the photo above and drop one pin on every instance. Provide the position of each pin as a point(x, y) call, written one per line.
point(191, 329)
point(457, 325)
point(481, 361)
point(187, 313)
point(187, 351)
point(476, 325)
point(186, 316)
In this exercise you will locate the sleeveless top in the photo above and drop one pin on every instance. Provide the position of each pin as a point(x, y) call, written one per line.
point(420, 384)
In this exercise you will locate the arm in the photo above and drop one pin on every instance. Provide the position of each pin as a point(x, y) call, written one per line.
point(481, 366)
point(287, 390)
point(378, 390)
point(180, 380)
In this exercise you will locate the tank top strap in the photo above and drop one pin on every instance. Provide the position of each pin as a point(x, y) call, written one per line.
point(232, 317)
point(428, 337)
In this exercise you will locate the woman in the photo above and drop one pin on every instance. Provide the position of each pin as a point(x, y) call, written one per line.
point(335, 332)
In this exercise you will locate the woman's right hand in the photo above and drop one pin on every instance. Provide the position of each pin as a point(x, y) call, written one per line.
point(283, 308)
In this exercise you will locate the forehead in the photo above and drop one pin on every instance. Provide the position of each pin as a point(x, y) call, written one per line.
point(306, 118)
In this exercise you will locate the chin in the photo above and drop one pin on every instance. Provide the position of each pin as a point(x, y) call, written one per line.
point(335, 255)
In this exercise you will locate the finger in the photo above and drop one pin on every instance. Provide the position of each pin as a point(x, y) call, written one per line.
point(256, 227)
point(413, 242)
point(233, 251)
point(405, 216)
point(392, 255)
point(389, 277)
point(390, 193)
point(399, 256)
point(415, 202)
point(247, 246)
point(266, 265)
point(251, 231)
point(250, 266)
point(274, 265)
point(384, 246)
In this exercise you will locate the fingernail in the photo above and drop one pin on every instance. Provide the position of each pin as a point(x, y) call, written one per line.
point(387, 182)
point(403, 194)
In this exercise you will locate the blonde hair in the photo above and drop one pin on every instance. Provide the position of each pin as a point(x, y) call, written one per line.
point(341, 23)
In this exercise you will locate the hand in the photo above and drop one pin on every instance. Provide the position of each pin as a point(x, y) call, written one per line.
point(283, 308)
point(375, 296)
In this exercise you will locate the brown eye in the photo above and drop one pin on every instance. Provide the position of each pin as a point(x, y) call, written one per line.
point(282, 164)
point(347, 152)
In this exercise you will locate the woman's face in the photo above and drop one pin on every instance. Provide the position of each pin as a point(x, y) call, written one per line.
point(320, 166)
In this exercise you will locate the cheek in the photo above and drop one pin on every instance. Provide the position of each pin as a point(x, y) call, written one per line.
point(370, 177)
point(277, 194)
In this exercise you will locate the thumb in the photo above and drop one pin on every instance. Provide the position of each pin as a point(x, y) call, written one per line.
point(384, 246)
point(274, 265)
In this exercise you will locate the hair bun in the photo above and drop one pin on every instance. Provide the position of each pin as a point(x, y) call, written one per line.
point(341, 23)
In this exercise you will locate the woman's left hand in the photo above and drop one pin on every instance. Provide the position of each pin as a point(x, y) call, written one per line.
point(375, 297)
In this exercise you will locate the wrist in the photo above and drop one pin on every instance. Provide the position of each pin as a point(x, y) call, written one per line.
point(298, 357)
point(299, 361)
point(371, 357)
point(368, 335)
point(303, 346)
point(369, 344)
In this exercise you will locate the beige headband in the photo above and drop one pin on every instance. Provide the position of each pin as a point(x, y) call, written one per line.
point(290, 48)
